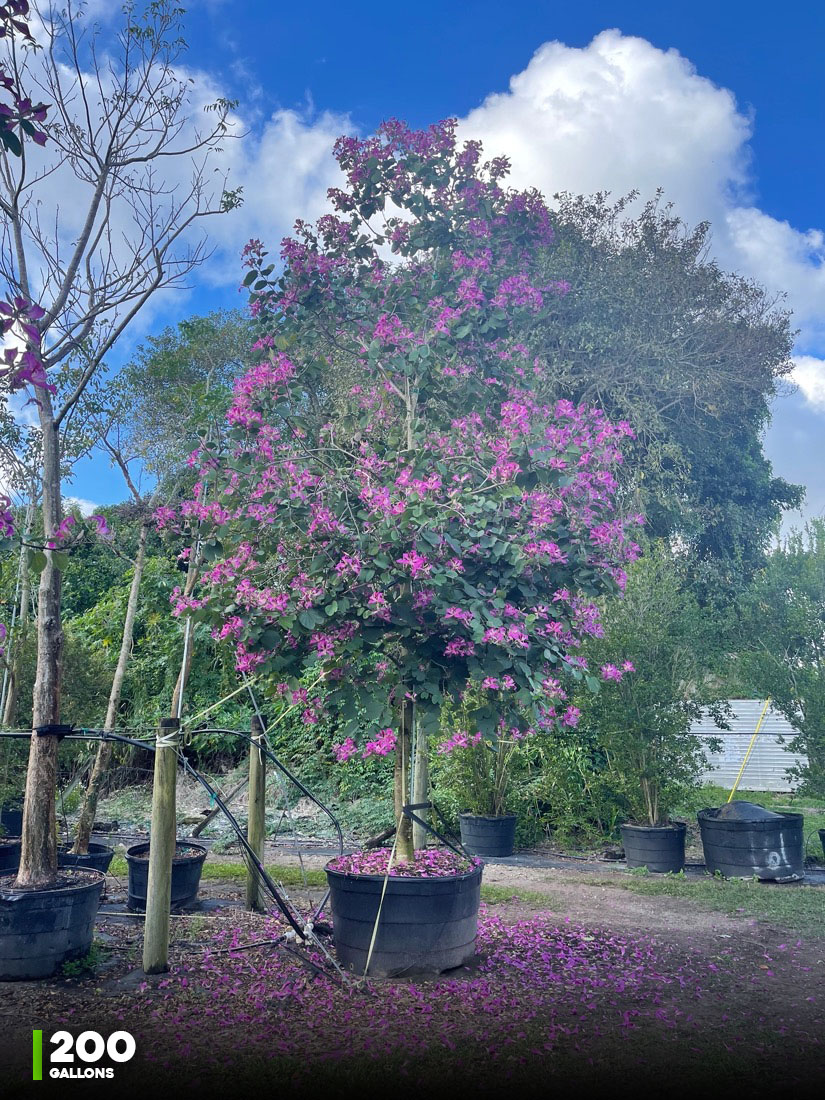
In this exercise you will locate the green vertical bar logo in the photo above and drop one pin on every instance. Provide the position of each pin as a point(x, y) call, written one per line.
point(37, 1056)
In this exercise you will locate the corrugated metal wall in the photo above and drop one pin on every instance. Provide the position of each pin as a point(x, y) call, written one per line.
point(768, 763)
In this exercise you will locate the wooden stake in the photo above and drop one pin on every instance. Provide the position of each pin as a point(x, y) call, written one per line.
point(402, 753)
point(161, 849)
point(213, 813)
point(256, 824)
point(420, 784)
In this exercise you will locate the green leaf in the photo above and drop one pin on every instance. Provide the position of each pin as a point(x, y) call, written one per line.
point(36, 560)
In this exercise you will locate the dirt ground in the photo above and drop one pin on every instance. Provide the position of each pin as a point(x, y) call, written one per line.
point(757, 979)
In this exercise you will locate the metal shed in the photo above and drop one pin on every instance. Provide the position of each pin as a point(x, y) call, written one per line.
point(771, 758)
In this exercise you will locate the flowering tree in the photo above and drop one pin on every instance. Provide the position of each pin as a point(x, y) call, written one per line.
point(398, 510)
point(117, 113)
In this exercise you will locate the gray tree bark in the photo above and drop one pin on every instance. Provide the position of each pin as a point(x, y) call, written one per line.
point(104, 750)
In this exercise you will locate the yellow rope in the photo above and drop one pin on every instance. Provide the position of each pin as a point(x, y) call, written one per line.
point(190, 719)
point(750, 748)
point(381, 902)
point(208, 710)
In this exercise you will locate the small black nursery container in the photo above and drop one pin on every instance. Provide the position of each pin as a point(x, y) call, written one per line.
point(488, 836)
point(660, 848)
point(186, 874)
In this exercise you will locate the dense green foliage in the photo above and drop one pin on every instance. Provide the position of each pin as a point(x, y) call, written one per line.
point(782, 642)
point(642, 720)
point(654, 332)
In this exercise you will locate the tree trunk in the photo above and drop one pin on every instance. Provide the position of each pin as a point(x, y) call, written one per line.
point(105, 748)
point(19, 641)
point(402, 780)
point(186, 662)
point(38, 855)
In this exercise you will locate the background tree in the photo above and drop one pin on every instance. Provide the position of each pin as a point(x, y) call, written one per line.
point(657, 652)
point(124, 145)
point(653, 332)
point(178, 386)
point(182, 377)
point(782, 642)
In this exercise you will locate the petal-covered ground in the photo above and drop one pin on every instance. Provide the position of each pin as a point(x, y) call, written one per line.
point(549, 1003)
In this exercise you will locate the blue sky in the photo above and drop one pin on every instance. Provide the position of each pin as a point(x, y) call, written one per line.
point(720, 103)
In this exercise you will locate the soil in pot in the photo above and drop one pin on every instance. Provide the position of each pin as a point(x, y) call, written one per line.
point(97, 858)
point(426, 925)
point(186, 874)
point(660, 848)
point(9, 853)
point(42, 928)
point(743, 840)
point(488, 836)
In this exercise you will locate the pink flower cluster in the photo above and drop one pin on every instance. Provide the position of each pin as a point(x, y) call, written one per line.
point(612, 672)
point(381, 745)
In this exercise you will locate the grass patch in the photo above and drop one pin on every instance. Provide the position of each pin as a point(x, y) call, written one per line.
point(495, 895)
point(289, 876)
point(236, 872)
point(796, 908)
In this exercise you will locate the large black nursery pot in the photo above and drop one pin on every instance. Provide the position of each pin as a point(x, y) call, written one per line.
point(97, 858)
point(426, 925)
point(822, 839)
point(11, 821)
point(660, 848)
point(9, 853)
point(485, 835)
point(40, 929)
point(187, 865)
point(743, 840)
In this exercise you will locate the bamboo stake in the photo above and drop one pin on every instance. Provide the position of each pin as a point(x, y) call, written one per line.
point(750, 748)
point(213, 813)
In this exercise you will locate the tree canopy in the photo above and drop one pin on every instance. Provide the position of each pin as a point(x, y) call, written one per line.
point(653, 332)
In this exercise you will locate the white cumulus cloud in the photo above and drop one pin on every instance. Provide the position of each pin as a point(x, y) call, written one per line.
point(809, 375)
point(620, 114)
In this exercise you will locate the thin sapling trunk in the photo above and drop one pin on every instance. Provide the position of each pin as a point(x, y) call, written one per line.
point(105, 748)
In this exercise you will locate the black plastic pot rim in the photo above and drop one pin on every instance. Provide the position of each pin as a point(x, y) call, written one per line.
point(362, 877)
point(672, 826)
point(143, 857)
point(94, 847)
point(55, 890)
point(488, 817)
point(707, 816)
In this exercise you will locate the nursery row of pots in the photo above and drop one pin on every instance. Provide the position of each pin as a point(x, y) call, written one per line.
point(40, 930)
point(402, 924)
point(739, 840)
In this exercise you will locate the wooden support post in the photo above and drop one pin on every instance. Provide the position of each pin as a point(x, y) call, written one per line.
point(256, 824)
point(420, 784)
point(161, 848)
point(403, 752)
